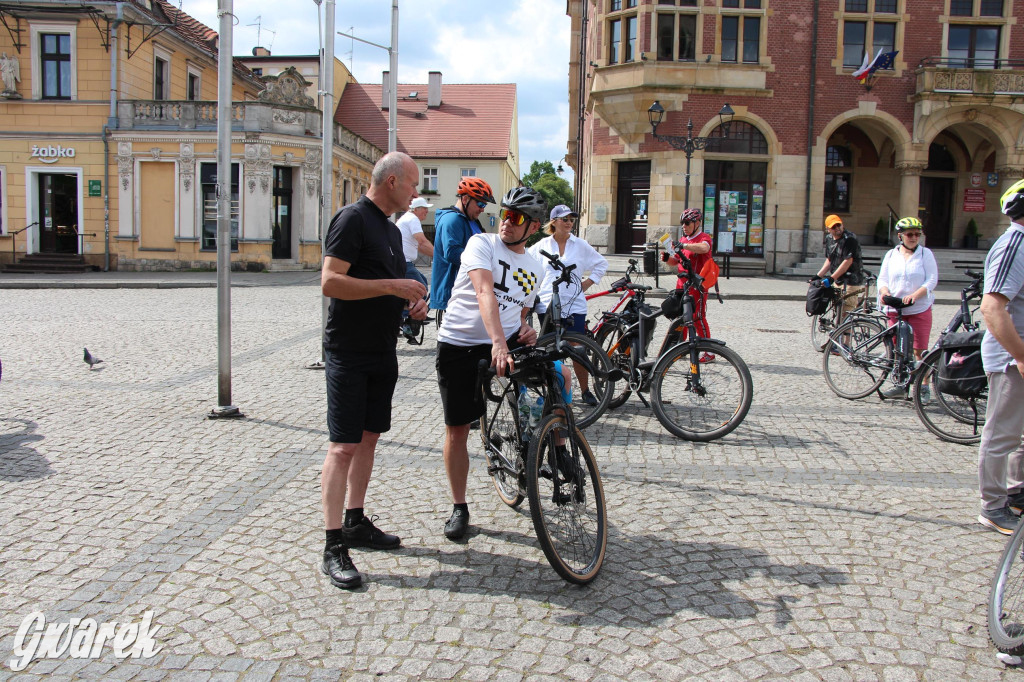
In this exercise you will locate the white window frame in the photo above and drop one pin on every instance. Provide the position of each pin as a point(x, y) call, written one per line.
point(430, 175)
point(165, 56)
point(197, 72)
point(35, 30)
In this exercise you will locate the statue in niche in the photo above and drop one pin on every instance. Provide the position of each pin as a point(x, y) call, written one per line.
point(10, 73)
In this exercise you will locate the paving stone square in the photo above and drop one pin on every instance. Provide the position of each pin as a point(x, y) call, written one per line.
point(823, 539)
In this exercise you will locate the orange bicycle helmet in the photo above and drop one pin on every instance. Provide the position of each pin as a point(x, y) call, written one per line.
point(475, 188)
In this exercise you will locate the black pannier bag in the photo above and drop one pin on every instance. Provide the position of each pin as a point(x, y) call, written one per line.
point(818, 298)
point(960, 371)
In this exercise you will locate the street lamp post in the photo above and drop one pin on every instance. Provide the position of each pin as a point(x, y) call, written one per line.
point(688, 144)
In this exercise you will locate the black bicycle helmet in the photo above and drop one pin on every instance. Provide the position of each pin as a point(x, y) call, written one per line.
point(527, 201)
point(1012, 201)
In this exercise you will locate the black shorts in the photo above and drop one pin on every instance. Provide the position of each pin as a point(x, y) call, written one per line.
point(359, 391)
point(458, 378)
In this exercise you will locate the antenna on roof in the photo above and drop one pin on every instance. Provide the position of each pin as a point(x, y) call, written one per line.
point(352, 47)
point(259, 30)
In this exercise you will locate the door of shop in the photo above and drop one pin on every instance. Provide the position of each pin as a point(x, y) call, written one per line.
point(937, 200)
point(58, 213)
point(631, 203)
point(282, 218)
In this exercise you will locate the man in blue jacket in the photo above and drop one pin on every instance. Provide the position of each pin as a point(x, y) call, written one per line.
point(453, 227)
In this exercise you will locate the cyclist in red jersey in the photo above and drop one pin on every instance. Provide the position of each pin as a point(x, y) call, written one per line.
point(697, 247)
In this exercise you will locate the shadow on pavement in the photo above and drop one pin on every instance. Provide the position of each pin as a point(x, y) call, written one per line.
point(19, 461)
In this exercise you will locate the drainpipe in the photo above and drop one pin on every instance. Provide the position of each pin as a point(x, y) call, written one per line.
point(111, 123)
point(580, 104)
point(810, 134)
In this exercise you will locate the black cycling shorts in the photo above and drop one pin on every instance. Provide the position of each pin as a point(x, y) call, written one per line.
point(360, 387)
point(458, 378)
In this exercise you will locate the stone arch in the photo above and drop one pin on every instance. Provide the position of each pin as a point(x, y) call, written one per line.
point(774, 147)
point(880, 126)
point(1002, 128)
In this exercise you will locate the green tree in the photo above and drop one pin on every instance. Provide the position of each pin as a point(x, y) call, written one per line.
point(554, 189)
point(538, 169)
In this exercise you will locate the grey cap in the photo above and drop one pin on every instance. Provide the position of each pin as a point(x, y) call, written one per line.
point(562, 211)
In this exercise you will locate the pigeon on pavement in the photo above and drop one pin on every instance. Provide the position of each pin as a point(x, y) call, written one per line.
point(90, 358)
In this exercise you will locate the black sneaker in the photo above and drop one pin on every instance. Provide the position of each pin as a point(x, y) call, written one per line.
point(589, 399)
point(457, 524)
point(1000, 520)
point(1016, 502)
point(365, 534)
point(338, 566)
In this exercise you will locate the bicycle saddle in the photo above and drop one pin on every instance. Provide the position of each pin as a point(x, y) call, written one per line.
point(895, 302)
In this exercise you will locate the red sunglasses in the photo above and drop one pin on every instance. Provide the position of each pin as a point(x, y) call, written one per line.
point(514, 217)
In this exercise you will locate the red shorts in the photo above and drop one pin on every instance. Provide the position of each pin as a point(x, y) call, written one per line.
point(921, 323)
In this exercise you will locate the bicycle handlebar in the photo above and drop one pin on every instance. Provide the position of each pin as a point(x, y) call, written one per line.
point(531, 357)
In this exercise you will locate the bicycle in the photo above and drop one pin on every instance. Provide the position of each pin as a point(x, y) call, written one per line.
point(597, 367)
point(554, 466)
point(953, 418)
point(862, 353)
point(1006, 598)
point(824, 324)
point(692, 400)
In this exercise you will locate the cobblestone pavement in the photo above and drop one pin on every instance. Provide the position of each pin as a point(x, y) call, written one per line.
point(824, 539)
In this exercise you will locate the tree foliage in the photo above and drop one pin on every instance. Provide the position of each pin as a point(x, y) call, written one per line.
point(543, 178)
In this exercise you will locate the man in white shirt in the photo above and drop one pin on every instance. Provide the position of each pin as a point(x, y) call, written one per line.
point(414, 242)
point(495, 286)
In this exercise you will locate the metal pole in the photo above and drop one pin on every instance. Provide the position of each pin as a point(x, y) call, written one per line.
point(689, 153)
point(393, 104)
point(327, 157)
point(224, 81)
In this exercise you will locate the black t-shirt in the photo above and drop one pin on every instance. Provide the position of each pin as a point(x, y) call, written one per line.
point(362, 235)
point(838, 250)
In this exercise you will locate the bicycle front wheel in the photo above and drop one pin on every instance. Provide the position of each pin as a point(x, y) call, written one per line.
point(950, 417)
point(600, 388)
point(1006, 599)
point(501, 435)
point(856, 359)
point(566, 500)
point(701, 401)
point(616, 348)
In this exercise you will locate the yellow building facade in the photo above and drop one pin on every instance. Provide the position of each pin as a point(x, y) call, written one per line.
point(108, 145)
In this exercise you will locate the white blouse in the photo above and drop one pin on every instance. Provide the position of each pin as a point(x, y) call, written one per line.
point(903, 277)
point(589, 263)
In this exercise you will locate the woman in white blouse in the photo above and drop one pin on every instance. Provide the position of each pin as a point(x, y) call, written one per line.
point(909, 272)
point(590, 266)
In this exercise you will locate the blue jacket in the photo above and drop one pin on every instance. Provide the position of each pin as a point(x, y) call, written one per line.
point(452, 230)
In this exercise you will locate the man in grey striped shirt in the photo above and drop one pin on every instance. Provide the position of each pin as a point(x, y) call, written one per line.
point(1001, 457)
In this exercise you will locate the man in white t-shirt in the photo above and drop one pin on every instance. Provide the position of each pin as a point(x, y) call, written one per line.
point(496, 285)
point(414, 242)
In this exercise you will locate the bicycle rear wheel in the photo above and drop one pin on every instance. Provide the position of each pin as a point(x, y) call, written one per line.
point(1006, 599)
point(601, 388)
point(701, 402)
point(854, 364)
point(950, 417)
point(822, 326)
point(502, 438)
point(617, 349)
point(566, 500)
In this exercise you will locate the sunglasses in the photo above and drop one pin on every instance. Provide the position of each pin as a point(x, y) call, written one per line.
point(568, 219)
point(836, 227)
point(915, 235)
point(515, 218)
point(481, 204)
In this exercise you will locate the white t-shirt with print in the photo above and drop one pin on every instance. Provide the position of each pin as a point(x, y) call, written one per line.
point(410, 225)
point(517, 278)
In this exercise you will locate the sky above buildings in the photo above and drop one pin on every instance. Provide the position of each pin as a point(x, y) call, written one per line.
point(525, 42)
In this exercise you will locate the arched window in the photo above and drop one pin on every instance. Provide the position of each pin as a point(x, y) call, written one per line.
point(838, 161)
point(743, 139)
point(734, 190)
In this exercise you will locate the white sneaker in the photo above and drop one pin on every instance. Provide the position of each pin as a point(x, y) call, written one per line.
point(894, 392)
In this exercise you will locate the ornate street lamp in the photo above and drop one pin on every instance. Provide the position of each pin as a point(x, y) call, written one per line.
point(689, 144)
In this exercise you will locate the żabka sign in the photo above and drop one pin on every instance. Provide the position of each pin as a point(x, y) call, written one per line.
point(51, 154)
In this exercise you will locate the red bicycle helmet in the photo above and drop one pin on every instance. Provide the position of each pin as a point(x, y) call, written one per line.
point(475, 188)
point(690, 215)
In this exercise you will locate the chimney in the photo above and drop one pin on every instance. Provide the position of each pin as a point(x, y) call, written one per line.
point(385, 92)
point(260, 52)
point(433, 89)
